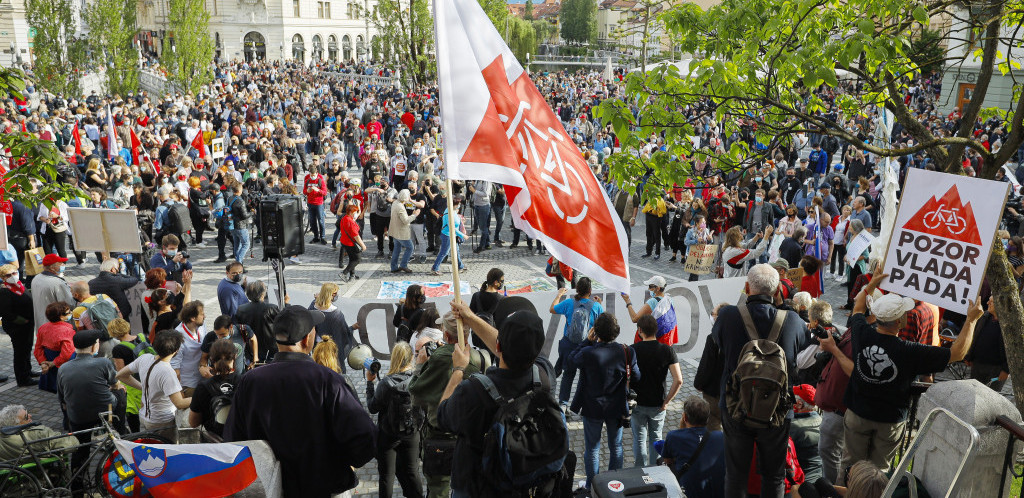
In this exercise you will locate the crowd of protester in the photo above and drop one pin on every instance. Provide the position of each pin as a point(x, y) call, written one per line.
point(357, 152)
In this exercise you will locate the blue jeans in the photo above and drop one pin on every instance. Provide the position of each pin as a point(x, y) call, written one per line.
point(351, 156)
point(499, 220)
point(482, 222)
point(403, 247)
point(442, 252)
point(240, 241)
point(592, 444)
point(565, 348)
point(316, 220)
point(648, 422)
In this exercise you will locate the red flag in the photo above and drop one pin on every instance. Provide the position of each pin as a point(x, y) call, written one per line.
point(24, 129)
point(136, 143)
point(497, 127)
point(197, 144)
point(77, 135)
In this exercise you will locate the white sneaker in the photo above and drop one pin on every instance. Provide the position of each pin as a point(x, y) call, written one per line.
point(295, 260)
point(840, 278)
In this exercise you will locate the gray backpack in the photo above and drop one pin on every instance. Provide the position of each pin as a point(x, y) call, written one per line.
point(757, 394)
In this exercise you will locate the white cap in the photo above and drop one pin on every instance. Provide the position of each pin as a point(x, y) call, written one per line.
point(657, 280)
point(891, 307)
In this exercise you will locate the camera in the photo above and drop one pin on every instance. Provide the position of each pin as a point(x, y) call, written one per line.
point(184, 254)
point(819, 332)
point(372, 364)
point(627, 419)
point(429, 348)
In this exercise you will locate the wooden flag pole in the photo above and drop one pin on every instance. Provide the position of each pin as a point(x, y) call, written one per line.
point(453, 240)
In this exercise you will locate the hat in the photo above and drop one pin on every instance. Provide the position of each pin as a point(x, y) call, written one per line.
point(891, 307)
point(838, 166)
point(805, 392)
point(509, 305)
point(294, 322)
point(780, 264)
point(803, 159)
point(656, 280)
point(86, 338)
point(174, 146)
point(825, 186)
point(50, 259)
point(521, 338)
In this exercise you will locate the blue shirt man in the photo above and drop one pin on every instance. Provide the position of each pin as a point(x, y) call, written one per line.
point(172, 261)
point(230, 292)
point(704, 477)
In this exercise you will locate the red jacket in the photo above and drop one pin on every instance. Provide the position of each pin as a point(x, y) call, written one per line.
point(315, 198)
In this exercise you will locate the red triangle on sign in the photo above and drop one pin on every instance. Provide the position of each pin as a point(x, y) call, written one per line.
point(946, 217)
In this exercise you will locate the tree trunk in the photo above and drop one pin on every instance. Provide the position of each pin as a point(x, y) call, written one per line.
point(1011, 317)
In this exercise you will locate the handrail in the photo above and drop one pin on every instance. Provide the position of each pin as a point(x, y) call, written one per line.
point(1017, 433)
point(903, 469)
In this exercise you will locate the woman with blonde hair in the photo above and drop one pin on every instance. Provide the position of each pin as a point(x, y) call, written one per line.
point(334, 323)
point(399, 421)
point(326, 354)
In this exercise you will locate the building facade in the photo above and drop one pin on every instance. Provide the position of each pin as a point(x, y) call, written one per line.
point(305, 30)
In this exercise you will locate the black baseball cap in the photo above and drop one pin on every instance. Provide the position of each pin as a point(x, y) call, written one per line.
point(294, 322)
point(86, 338)
point(509, 305)
point(521, 336)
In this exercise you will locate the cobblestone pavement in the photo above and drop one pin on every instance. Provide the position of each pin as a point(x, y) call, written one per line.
point(319, 264)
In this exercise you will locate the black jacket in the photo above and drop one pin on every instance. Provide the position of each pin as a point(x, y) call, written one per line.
point(114, 286)
point(259, 316)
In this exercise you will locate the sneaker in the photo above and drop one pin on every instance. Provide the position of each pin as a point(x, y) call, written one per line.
point(345, 277)
point(672, 259)
point(295, 260)
point(220, 259)
point(657, 257)
point(646, 255)
point(499, 243)
point(322, 242)
point(199, 244)
point(477, 250)
point(380, 254)
point(406, 270)
point(840, 278)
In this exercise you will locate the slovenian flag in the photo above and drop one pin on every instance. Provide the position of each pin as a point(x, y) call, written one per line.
point(173, 470)
point(668, 328)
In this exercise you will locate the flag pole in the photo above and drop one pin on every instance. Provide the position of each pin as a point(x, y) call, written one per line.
point(453, 239)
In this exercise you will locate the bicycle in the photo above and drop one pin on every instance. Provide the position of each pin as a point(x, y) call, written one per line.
point(954, 223)
point(49, 472)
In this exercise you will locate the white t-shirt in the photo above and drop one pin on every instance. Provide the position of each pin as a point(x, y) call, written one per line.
point(156, 396)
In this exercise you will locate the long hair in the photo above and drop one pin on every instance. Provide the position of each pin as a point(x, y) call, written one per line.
point(326, 353)
point(733, 237)
point(401, 357)
point(222, 356)
point(326, 295)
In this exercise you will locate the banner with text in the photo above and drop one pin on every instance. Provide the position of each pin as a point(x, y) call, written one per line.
point(700, 259)
point(942, 238)
point(693, 302)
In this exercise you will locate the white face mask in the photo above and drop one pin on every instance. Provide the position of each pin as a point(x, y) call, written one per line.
point(13, 279)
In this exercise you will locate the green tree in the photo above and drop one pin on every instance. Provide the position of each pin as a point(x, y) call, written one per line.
point(406, 36)
point(112, 29)
point(578, 19)
point(521, 38)
point(544, 31)
point(768, 66)
point(57, 54)
point(927, 51)
point(528, 10)
point(41, 157)
point(191, 55)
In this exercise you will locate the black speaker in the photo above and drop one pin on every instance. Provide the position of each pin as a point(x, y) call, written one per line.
point(281, 223)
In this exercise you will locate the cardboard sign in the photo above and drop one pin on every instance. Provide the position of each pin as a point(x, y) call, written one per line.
point(700, 259)
point(105, 230)
point(217, 148)
point(943, 237)
point(856, 246)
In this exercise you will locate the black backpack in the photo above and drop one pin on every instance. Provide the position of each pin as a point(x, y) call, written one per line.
point(526, 445)
point(178, 219)
point(221, 396)
point(401, 418)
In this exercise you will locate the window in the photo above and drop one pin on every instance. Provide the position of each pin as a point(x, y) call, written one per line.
point(214, 7)
point(295, 8)
point(323, 10)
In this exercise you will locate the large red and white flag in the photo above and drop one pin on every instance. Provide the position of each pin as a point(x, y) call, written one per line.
point(497, 127)
point(198, 145)
point(136, 147)
point(113, 149)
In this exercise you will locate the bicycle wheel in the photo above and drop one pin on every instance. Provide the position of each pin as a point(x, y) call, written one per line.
point(15, 481)
point(115, 476)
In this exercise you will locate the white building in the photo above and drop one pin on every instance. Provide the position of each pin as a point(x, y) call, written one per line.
point(960, 79)
point(15, 39)
point(308, 30)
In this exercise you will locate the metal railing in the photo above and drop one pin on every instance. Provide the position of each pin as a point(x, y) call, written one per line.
point(1016, 434)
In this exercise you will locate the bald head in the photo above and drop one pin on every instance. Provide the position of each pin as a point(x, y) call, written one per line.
point(80, 290)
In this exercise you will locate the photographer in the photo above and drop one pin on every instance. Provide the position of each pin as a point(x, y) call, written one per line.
point(603, 397)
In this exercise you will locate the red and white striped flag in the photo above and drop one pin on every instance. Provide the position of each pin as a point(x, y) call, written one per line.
point(113, 150)
point(497, 127)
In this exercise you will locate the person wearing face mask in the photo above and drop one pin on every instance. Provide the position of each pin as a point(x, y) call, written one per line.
point(788, 224)
point(231, 290)
point(334, 324)
point(170, 258)
point(759, 215)
point(698, 234)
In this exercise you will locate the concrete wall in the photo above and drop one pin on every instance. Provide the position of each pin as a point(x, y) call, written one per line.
point(999, 94)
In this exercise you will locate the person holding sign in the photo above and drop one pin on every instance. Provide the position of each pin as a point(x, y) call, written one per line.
point(878, 396)
point(698, 235)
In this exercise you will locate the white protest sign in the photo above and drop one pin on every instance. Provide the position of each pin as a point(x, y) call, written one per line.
point(693, 302)
point(942, 238)
point(856, 246)
point(217, 148)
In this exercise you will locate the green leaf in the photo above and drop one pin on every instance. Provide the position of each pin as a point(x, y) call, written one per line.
point(920, 14)
point(866, 26)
